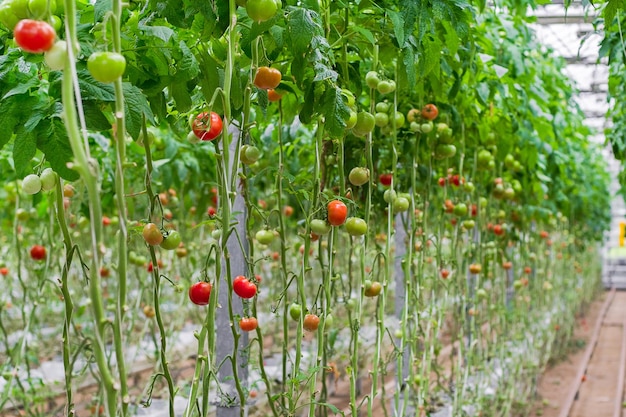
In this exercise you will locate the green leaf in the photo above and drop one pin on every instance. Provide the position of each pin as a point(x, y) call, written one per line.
point(22, 87)
point(90, 89)
point(55, 144)
point(302, 25)
point(398, 26)
point(10, 109)
point(24, 149)
point(94, 118)
point(611, 9)
point(186, 66)
point(366, 33)
point(135, 107)
point(100, 8)
point(335, 111)
point(181, 96)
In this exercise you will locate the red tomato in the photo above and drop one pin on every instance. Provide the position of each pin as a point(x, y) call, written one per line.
point(445, 273)
point(106, 221)
point(544, 234)
point(34, 36)
point(430, 112)
point(4, 271)
point(385, 179)
point(267, 78)
point(247, 324)
point(200, 292)
point(498, 230)
point(243, 287)
point(441, 181)
point(211, 211)
point(38, 252)
point(207, 127)
point(272, 95)
point(337, 213)
point(311, 322)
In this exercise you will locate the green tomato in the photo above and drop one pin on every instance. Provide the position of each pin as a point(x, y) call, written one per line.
point(460, 210)
point(509, 161)
point(48, 179)
point(365, 123)
point(468, 224)
point(106, 67)
point(171, 241)
point(19, 8)
point(320, 227)
point(264, 237)
point(389, 196)
point(483, 159)
point(329, 320)
point(8, 18)
point(386, 86)
point(399, 119)
point(22, 214)
point(31, 184)
point(39, 8)
point(56, 56)
point(356, 226)
point(443, 151)
point(401, 204)
point(351, 120)
point(382, 107)
point(445, 135)
point(56, 22)
point(359, 176)
point(415, 127)
point(382, 119)
point(295, 311)
point(427, 127)
point(371, 79)
point(261, 10)
point(469, 187)
point(347, 94)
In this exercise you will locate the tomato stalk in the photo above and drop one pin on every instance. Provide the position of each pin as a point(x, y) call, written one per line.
point(152, 197)
point(67, 296)
point(119, 134)
point(88, 169)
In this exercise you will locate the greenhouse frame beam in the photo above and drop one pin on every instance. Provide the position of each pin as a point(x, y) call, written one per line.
point(564, 19)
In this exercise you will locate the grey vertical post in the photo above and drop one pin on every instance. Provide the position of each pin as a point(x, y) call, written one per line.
point(228, 404)
point(401, 293)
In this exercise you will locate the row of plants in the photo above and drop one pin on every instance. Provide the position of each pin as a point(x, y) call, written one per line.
point(346, 186)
